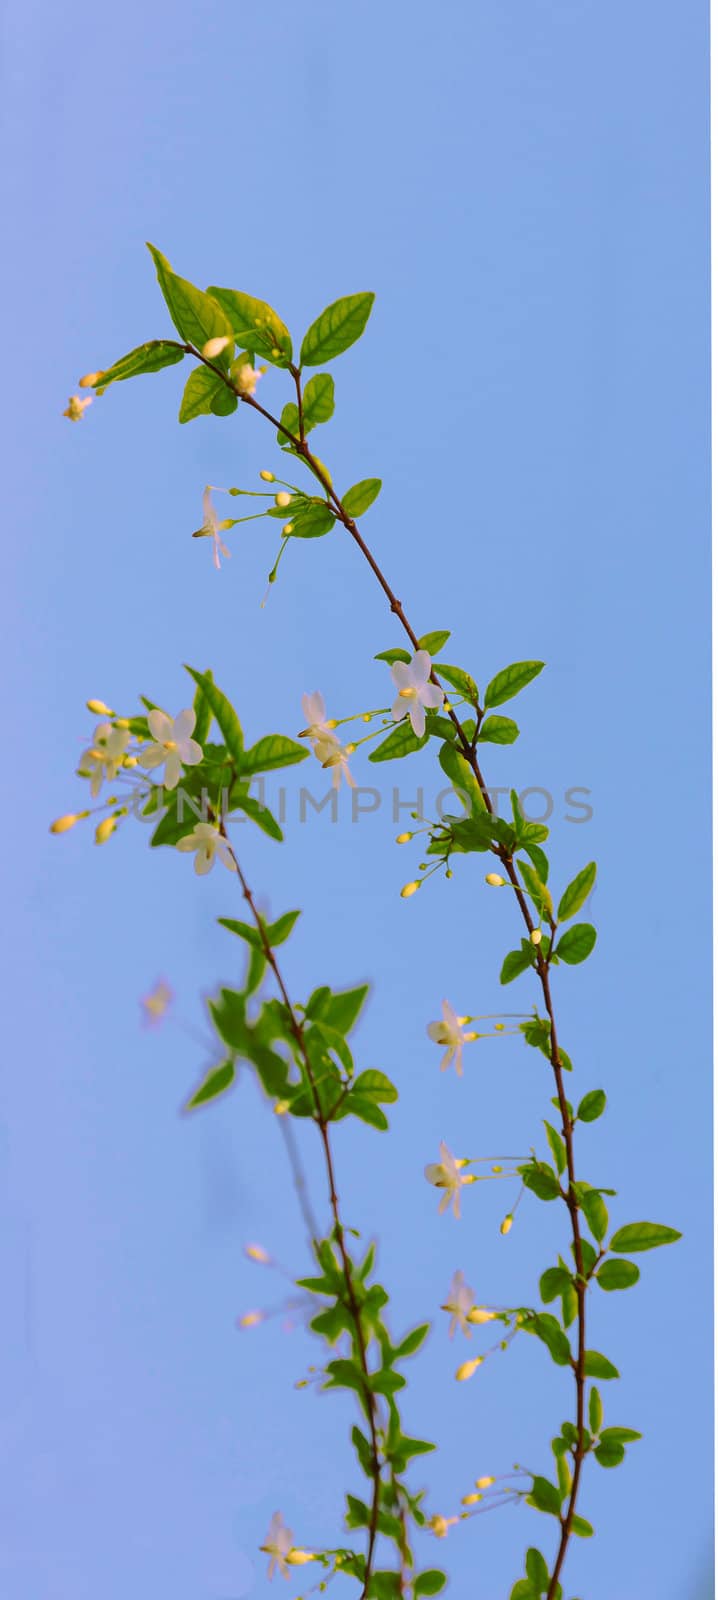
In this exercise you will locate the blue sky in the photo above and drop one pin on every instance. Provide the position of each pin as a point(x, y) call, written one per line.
point(525, 187)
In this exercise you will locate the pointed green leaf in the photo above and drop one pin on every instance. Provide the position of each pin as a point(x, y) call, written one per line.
point(595, 1410)
point(205, 393)
point(317, 401)
point(458, 679)
point(618, 1274)
point(195, 315)
point(274, 750)
point(578, 890)
point(498, 730)
point(361, 496)
point(375, 1085)
point(255, 325)
point(595, 1212)
point(598, 1366)
point(261, 815)
point(642, 1236)
point(149, 357)
point(223, 712)
point(508, 682)
point(217, 1081)
point(402, 741)
point(515, 962)
point(592, 1105)
point(338, 327)
point(434, 642)
point(396, 654)
point(576, 943)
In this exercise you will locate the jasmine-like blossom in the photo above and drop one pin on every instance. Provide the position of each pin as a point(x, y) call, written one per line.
point(415, 691)
point(172, 747)
point(447, 1175)
point(450, 1032)
point(212, 527)
point(104, 758)
point(278, 1542)
point(335, 756)
point(206, 840)
point(315, 711)
point(459, 1302)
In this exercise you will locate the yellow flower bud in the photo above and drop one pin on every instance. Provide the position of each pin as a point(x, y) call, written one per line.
point(349, 749)
point(479, 1315)
point(470, 1499)
point(468, 1368)
point(90, 380)
point(250, 1319)
point(299, 1558)
point(63, 824)
point(507, 1224)
point(122, 722)
point(331, 722)
point(410, 888)
point(287, 529)
point(99, 708)
point(536, 936)
point(499, 1027)
point(367, 716)
point(104, 830)
point(484, 1483)
point(282, 499)
point(403, 838)
point(495, 879)
point(256, 1252)
point(267, 477)
point(281, 1108)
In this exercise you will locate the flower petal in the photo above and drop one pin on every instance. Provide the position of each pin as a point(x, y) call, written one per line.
point(160, 725)
point(431, 695)
point(417, 718)
point(204, 860)
point(401, 675)
point(420, 667)
point(173, 770)
point(189, 752)
point(398, 709)
point(184, 724)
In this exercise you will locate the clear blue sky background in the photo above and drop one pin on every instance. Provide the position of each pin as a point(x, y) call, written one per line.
point(525, 186)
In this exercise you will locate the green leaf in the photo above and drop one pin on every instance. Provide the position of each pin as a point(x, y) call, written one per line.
point(341, 1009)
point(618, 1274)
point(556, 1146)
point(205, 392)
point(195, 315)
point(547, 1329)
point(577, 943)
point(515, 962)
point(578, 890)
point(402, 741)
point(276, 932)
point(363, 1450)
point(217, 1081)
point(537, 889)
point(223, 712)
point(367, 1110)
point(595, 1212)
point(552, 1283)
point(595, 1410)
point(255, 325)
point(384, 1585)
point(397, 654)
point(375, 1086)
point(541, 1180)
point(338, 327)
point(508, 682)
point(459, 679)
point(524, 1590)
point(274, 750)
point(462, 778)
point(361, 496)
point(430, 1582)
point(317, 401)
point(412, 1342)
point(149, 357)
point(592, 1105)
point(311, 520)
point(434, 642)
point(581, 1528)
point(609, 1455)
point(545, 1497)
point(261, 815)
point(202, 713)
point(619, 1436)
point(642, 1236)
point(498, 730)
point(597, 1366)
point(537, 1570)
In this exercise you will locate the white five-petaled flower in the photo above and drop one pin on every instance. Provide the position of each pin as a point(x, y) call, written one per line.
point(447, 1175)
point(278, 1542)
point(172, 747)
point(105, 757)
point(212, 527)
point(207, 841)
point(451, 1033)
point(459, 1302)
point(325, 744)
point(411, 678)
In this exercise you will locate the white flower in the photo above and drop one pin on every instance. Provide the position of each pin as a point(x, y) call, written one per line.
point(278, 1542)
point(315, 711)
point(447, 1175)
point(212, 527)
point(207, 840)
point(76, 407)
point(172, 747)
point(336, 756)
point(459, 1301)
point(104, 759)
point(247, 378)
point(451, 1033)
point(415, 692)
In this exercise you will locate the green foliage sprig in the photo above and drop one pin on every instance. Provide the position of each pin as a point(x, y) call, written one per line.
point(301, 1053)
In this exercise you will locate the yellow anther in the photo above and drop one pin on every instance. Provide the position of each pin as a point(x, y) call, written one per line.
point(129, 761)
point(281, 1108)
point(407, 694)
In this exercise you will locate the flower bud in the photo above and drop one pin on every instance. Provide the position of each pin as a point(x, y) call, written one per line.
point(287, 529)
point(468, 1368)
point(63, 824)
point(90, 380)
point(410, 888)
point(495, 880)
point(536, 936)
point(507, 1224)
point(282, 499)
point(256, 1252)
point(281, 1108)
point(299, 1558)
point(214, 347)
point(250, 1319)
point(104, 830)
point(484, 1483)
point(479, 1315)
point(403, 838)
point(471, 1499)
point(267, 477)
point(98, 708)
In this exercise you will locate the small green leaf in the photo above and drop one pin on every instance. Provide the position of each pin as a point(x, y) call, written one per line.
point(556, 1146)
point(463, 779)
point(619, 1435)
point(273, 751)
point(573, 897)
point(618, 1274)
point(217, 1081)
point(374, 1085)
point(508, 682)
point(361, 496)
point(537, 889)
point(552, 1283)
point(597, 1366)
point(206, 393)
point(537, 1570)
point(255, 325)
point(396, 654)
point(202, 714)
point(541, 1180)
point(261, 815)
point(595, 1410)
point(317, 401)
point(609, 1455)
point(338, 327)
point(498, 730)
point(577, 943)
point(547, 1329)
point(459, 679)
point(515, 962)
point(402, 741)
point(197, 316)
point(311, 520)
point(223, 712)
point(545, 1497)
point(595, 1212)
point(524, 1590)
point(434, 642)
point(149, 357)
point(581, 1527)
point(592, 1105)
point(341, 1009)
point(412, 1342)
point(430, 1582)
point(642, 1236)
